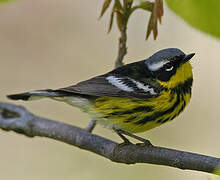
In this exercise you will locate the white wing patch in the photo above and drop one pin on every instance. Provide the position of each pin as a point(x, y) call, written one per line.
point(115, 81)
point(146, 88)
point(157, 65)
point(118, 82)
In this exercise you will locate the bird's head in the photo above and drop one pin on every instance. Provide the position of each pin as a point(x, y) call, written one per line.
point(170, 66)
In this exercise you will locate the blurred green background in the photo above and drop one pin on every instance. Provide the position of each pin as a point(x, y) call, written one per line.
point(52, 44)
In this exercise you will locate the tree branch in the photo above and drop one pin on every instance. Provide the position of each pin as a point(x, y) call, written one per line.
point(18, 119)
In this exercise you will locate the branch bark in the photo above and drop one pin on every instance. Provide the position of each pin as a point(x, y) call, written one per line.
point(18, 119)
point(122, 49)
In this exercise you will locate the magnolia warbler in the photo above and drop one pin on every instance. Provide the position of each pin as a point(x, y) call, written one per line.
point(132, 98)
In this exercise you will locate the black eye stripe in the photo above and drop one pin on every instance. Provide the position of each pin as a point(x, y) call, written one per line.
point(168, 65)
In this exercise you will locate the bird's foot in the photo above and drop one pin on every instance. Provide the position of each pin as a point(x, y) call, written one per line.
point(145, 143)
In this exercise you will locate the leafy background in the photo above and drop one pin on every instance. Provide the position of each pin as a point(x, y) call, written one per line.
point(56, 43)
point(201, 14)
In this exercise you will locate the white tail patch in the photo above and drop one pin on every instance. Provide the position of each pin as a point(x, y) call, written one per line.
point(43, 93)
point(35, 95)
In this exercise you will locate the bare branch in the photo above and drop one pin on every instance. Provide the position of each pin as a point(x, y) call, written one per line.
point(18, 119)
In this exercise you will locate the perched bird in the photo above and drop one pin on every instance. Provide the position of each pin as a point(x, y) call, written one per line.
point(132, 98)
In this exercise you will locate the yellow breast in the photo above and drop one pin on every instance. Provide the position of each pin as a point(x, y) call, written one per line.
point(138, 115)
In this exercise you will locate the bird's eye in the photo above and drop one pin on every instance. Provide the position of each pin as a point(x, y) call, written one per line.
point(168, 67)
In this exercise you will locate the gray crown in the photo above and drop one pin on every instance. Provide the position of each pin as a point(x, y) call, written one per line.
point(162, 57)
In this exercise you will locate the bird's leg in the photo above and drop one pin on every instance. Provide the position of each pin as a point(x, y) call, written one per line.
point(120, 132)
point(126, 141)
point(90, 126)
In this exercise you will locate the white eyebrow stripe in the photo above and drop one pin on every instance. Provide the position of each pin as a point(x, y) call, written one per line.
point(146, 88)
point(117, 82)
point(157, 66)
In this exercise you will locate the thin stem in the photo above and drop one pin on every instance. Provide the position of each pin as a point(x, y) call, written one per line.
point(122, 48)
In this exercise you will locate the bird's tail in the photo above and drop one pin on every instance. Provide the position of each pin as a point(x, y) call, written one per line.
point(34, 95)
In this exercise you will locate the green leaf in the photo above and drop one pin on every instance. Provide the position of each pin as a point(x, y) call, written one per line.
point(118, 5)
point(105, 7)
point(111, 20)
point(159, 9)
point(5, 1)
point(156, 15)
point(152, 26)
point(201, 14)
point(146, 5)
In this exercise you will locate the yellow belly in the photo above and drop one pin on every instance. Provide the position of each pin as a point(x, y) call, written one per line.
point(138, 115)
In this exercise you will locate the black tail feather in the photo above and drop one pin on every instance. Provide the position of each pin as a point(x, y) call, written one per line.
point(22, 96)
point(38, 94)
point(32, 95)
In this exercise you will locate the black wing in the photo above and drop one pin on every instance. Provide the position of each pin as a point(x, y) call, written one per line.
point(131, 80)
point(112, 85)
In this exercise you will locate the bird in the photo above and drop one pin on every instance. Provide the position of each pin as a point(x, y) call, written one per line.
point(133, 98)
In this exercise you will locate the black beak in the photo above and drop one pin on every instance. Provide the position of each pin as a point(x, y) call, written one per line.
point(188, 57)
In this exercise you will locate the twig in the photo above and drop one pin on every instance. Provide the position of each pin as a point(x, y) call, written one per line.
point(18, 119)
point(122, 49)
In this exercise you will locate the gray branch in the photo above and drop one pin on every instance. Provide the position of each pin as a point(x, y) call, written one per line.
point(18, 119)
